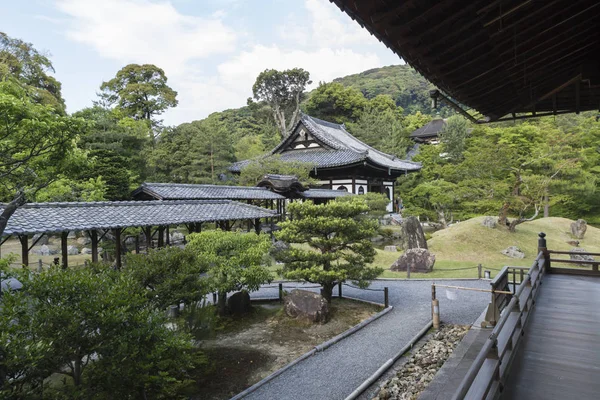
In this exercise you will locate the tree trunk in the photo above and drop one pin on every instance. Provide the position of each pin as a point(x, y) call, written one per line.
point(222, 303)
point(327, 291)
point(77, 372)
point(10, 209)
point(442, 219)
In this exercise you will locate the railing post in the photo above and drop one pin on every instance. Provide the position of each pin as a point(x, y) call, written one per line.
point(542, 246)
point(386, 298)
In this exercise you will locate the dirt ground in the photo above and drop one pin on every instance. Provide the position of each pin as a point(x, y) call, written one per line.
point(249, 348)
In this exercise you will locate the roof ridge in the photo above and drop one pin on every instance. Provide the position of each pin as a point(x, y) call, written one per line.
point(127, 203)
point(201, 185)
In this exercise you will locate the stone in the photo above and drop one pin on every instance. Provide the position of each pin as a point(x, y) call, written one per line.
point(72, 250)
point(574, 243)
point(278, 247)
point(239, 303)
point(84, 240)
point(310, 306)
point(177, 237)
point(412, 234)
point(72, 235)
point(390, 248)
point(489, 222)
point(419, 260)
point(86, 250)
point(513, 252)
point(39, 239)
point(45, 250)
point(580, 257)
point(578, 228)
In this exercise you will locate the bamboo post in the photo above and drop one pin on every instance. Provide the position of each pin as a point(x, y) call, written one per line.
point(435, 309)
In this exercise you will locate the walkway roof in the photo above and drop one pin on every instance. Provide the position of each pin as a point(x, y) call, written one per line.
point(496, 56)
point(183, 191)
point(61, 217)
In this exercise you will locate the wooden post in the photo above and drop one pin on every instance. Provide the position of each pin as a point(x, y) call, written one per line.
point(137, 244)
point(161, 236)
point(40, 265)
point(215, 298)
point(542, 246)
point(281, 292)
point(479, 268)
point(340, 289)
point(386, 297)
point(148, 233)
point(118, 262)
point(408, 271)
point(24, 239)
point(168, 238)
point(94, 237)
point(257, 226)
point(435, 305)
point(65, 253)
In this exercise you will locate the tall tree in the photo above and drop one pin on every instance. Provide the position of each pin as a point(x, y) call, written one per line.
point(454, 136)
point(141, 91)
point(336, 103)
point(282, 90)
point(36, 144)
point(338, 235)
point(29, 67)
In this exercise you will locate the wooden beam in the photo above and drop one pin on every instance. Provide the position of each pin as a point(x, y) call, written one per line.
point(510, 11)
point(64, 251)
point(24, 239)
point(118, 262)
point(94, 238)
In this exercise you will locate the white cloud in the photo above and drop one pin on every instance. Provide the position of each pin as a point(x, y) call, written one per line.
point(145, 31)
point(154, 31)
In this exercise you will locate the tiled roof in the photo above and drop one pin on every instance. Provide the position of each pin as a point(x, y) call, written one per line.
point(432, 128)
point(181, 191)
point(60, 217)
point(324, 194)
point(343, 149)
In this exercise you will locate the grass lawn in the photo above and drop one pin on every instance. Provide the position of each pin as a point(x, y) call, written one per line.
point(468, 243)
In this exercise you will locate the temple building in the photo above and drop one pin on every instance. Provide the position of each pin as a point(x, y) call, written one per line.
point(340, 161)
point(430, 132)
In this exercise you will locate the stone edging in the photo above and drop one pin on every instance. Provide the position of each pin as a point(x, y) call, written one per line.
point(320, 347)
point(377, 374)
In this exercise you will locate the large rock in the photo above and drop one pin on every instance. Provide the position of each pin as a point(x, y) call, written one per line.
point(72, 250)
point(177, 237)
point(40, 239)
point(419, 260)
point(45, 250)
point(84, 240)
point(513, 252)
point(239, 303)
point(390, 248)
point(72, 235)
point(86, 250)
point(412, 234)
point(578, 228)
point(580, 257)
point(489, 222)
point(302, 304)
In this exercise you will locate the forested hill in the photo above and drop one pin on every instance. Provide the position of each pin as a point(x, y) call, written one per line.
point(405, 85)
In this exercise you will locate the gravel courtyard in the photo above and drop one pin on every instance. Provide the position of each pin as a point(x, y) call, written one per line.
point(337, 371)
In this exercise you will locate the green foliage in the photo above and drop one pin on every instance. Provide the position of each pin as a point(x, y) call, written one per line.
point(95, 326)
point(377, 203)
point(234, 260)
point(402, 83)
point(22, 62)
point(254, 172)
point(140, 91)
point(66, 189)
point(195, 152)
point(339, 240)
point(454, 136)
point(282, 91)
point(336, 103)
point(170, 276)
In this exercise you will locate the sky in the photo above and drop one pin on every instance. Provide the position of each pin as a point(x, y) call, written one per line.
point(210, 50)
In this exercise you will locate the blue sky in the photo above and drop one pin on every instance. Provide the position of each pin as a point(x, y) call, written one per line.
point(211, 50)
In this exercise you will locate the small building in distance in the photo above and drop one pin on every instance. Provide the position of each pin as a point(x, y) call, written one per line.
point(340, 161)
point(430, 132)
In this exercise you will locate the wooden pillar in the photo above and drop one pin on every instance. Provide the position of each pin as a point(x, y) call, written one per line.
point(148, 233)
point(118, 262)
point(161, 236)
point(227, 225)
point(257, 226)
point(63, 246)
point(137, 244)
point(94, 237)
point(168, 236)
point(24, 239)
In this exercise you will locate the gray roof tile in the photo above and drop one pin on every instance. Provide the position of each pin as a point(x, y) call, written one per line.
point(59, 217)
point(182, 191)
point(324, 194)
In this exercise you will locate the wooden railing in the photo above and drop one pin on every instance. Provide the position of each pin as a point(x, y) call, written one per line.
point(489, 370)
point(500, 285)
point(572, 271)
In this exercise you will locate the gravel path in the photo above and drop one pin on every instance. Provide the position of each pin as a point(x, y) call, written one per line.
point(337, 371)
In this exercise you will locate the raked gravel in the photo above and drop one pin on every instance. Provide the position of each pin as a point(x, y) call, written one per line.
point(337, 371)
